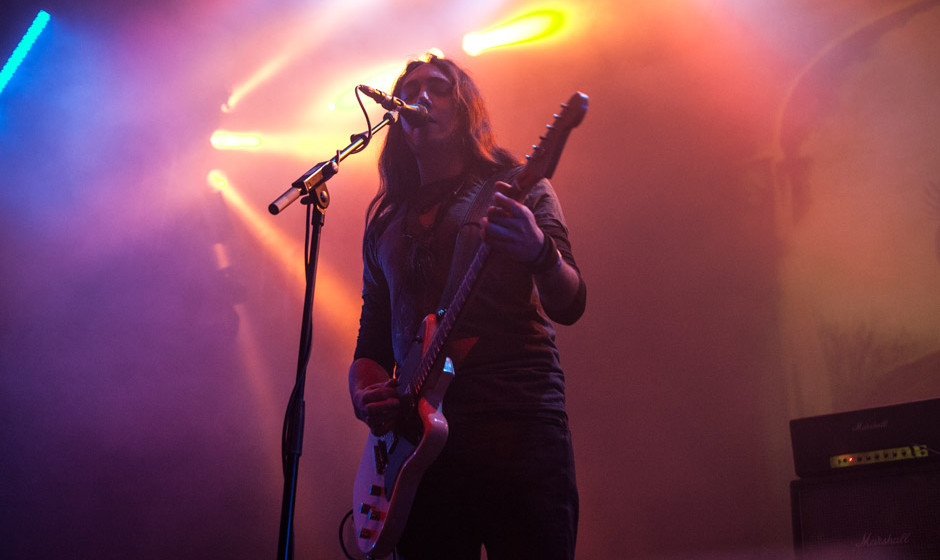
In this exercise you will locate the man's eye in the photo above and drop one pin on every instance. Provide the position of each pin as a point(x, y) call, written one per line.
point(440, 88)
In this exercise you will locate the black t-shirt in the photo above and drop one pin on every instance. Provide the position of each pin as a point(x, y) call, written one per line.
point(507, 360)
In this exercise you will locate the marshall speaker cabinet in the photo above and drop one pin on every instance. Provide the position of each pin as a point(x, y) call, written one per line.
point(869, 486)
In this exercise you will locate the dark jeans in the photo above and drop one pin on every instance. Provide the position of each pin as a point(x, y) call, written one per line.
point(506, 482)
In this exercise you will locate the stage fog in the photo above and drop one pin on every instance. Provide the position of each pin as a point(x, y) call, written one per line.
point(753, 199)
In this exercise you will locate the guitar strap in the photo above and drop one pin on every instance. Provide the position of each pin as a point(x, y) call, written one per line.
point(468, 238)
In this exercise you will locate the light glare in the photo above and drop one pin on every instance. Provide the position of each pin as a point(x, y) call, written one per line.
point(226, 140)
point(217, 180)
point(527, 28)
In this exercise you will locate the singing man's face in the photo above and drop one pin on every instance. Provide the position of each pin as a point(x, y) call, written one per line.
point(426, 85)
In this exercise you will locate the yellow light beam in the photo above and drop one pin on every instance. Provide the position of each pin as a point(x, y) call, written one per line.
point(341, 309)
point(299, 145)
point(227, 140)
point(265, 73)
point(526, 28)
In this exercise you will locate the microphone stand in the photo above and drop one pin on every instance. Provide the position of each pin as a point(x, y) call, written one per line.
point(312, 184)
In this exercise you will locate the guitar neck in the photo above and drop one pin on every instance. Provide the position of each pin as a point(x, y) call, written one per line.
point(539, 164)
point(448, 319)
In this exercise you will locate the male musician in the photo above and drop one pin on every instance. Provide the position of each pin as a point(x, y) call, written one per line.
point(505, 478)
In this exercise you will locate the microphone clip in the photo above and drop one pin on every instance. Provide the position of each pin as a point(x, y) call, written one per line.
point(416, 115)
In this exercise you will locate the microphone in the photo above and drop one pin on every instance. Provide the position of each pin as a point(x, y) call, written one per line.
point(416, 115)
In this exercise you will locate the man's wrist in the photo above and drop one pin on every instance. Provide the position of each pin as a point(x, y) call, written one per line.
point(547, 259)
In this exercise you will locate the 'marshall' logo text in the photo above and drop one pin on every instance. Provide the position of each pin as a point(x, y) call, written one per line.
point(870, 540)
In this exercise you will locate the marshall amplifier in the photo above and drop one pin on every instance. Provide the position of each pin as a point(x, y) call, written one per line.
point(886, 436)
point(870, 484)
point(886, 514)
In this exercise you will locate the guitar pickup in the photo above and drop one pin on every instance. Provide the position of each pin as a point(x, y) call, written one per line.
point(376, 490)
point(380, 457)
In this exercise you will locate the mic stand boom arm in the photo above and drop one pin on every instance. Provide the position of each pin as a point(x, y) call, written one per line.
point(312, 182)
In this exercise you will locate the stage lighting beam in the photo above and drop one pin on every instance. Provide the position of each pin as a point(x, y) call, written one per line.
point(526, 28)
point(26, 43)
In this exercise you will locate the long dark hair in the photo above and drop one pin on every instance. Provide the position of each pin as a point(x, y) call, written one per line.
point(398, 167)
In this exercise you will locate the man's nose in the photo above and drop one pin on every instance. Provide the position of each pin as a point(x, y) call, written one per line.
point(424, 97)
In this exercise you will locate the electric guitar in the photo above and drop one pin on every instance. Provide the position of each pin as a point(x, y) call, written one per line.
point(392, 464)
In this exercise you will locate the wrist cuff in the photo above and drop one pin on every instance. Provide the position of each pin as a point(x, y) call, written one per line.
point(547, 259)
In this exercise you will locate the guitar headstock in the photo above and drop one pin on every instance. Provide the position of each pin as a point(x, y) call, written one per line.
point(544, 157)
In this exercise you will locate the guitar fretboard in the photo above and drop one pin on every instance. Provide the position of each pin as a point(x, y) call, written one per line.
point(447, 320)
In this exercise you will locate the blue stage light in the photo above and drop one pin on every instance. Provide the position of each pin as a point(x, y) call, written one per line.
point(12, 63)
